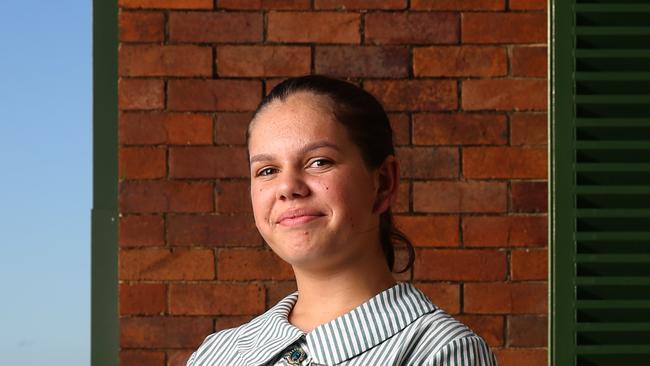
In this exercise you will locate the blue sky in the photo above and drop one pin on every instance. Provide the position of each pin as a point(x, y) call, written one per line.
point(46, 183)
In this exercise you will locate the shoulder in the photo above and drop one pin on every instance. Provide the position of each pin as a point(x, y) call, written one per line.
point(463, 351)
point(445, 341)
point(240, 345)
point(217, 347)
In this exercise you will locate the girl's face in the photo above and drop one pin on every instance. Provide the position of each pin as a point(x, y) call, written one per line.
point(313, 196)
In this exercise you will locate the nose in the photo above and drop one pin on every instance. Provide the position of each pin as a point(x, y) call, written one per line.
point(291, 185)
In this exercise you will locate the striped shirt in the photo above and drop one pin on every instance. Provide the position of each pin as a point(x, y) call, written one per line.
point(399, 326)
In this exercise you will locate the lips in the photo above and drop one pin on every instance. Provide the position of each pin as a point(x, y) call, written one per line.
point(297, 216)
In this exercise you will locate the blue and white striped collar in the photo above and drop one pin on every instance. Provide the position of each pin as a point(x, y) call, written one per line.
point(349, 335)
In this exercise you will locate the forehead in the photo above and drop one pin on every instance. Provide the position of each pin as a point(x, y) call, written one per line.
point(299, 119)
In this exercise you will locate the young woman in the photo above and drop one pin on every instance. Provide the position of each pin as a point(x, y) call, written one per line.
point(323, 178)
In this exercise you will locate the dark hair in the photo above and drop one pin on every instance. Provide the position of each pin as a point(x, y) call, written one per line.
point(368, 127)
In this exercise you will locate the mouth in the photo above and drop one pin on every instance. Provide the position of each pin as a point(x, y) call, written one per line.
point(298, 220)
point(298, 216)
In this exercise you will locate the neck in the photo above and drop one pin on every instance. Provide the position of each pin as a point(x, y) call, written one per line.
point(328, 294)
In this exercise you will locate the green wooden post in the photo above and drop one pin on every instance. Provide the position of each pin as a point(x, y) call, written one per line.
point(104, 313)
point(561, 197)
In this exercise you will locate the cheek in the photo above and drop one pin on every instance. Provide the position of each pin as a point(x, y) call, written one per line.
point(261, 200)
point(323, 186)
point(348, 196)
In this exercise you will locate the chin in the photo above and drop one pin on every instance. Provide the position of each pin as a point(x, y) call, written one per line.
point(297, 259)
point(297, 250)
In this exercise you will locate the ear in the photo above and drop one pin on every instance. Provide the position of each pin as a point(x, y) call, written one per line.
point(386, 183)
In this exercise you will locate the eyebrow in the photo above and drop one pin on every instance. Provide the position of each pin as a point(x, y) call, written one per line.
point(302, 151)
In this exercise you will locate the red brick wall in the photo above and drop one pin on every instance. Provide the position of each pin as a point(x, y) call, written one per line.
point(465, 84)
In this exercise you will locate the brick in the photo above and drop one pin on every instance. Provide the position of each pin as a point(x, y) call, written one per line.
point(277, 291)
point(401, 203)
point(233, 197)
point(444, 295)
point(213, 95)
point(216, 299)
point(460, 265)
point(529, 196)
point(362, 61)
point(490, 328)
point(139, 358)
point(141, 94)
point(142, 162)
point(155, 128)
point(411, 28)
point(529, 61)
point(527, 331)
point(522, 356)
point(154, 60)
point(360, 4)
point(166, 4)
point(414, 95)
point(146, 230)
point(529, 264)
point(265, 4)
point(208, 162)
point(457, 4)
point(504, 231)
point(504, 94)
point(430, 231)
point(504, 162)
point(428, 163)
point(399, 123)
point(528, 129)
point(143, 299)
point(527, 4)
point(212, 230)
point(163, 264)
point(505, 298)
point(250, 61)
point(179, 357)
point(459, 129)
point(251, 264)
point(459, 197)
point(226, 322)
point(316, 27)
point(215, 27)
point(231, 128)
point(499, 27)
point(162, 332)
point(141, 26)
point(460, 61)
point(165, 196)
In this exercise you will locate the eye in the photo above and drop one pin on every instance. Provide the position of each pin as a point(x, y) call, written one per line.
point(265, 171)
point(317, 163)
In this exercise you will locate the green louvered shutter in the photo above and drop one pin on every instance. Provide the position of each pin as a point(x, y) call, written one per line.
point(600, 197)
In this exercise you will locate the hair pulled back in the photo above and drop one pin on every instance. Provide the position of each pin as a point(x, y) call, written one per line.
point(367, 126)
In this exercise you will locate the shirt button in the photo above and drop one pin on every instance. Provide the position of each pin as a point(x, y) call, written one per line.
point(295, 356)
